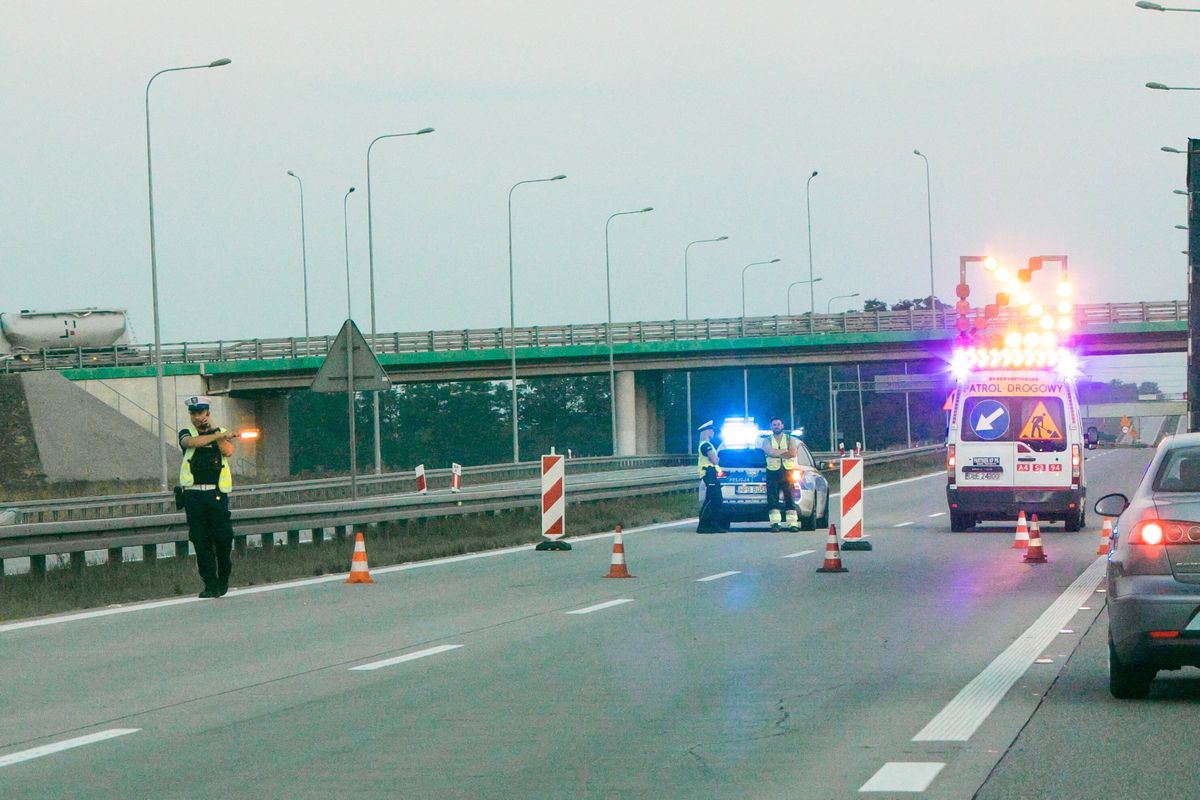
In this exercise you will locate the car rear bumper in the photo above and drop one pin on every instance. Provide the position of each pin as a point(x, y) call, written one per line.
point(753, 508)
point(1007, 503)
point(1139, 604)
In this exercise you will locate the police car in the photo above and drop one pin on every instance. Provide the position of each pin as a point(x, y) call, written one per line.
point(744, 477)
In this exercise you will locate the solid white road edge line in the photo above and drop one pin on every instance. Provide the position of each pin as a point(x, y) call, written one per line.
point(601, 606)
point(275, 587)
point(958, 721)
point(67, 744)
point(387, 662)
point(718, 576)
point(903, 776)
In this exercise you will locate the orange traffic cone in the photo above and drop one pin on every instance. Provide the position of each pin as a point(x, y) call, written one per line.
point(1021, 540)
point(833, 556)
point(1105, 537)
point(358, 564)
point(618, 569)
point(1035, 554)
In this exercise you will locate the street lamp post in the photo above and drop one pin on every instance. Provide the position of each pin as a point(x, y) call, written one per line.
point(829, 305)
point(612, 373)
point(791, 378)
point(158, 365)
point(1193, 257)
point(687, 318)
point(929, 215)
point(745, 371)
point(512, 315)
point(346, 239)
point(303, 260)
point(350, 353)
point(371, 268)
point(808, 212)
point(789, 291)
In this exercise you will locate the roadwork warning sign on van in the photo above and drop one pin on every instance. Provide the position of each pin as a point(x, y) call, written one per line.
point(1040, 426)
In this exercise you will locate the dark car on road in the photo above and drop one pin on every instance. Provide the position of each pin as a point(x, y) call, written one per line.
point(1154, 570)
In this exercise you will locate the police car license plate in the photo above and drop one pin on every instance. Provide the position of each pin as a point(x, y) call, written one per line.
point(754, 488)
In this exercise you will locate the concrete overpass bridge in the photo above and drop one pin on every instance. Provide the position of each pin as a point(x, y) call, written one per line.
point(252, 376)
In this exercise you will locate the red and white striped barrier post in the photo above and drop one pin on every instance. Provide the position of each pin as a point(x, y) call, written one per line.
point(554, 503)
point(422, 488)
point(852, 505)
point(456, 477)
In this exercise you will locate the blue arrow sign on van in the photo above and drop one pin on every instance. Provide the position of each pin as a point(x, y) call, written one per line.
point(989, 419)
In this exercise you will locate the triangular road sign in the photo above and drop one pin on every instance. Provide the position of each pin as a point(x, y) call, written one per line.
point(1040, 426)
point(334, 373)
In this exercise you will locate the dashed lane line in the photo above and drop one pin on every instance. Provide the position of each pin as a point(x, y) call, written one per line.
point(388, 662)
point(601, 606)
point(718, 576)
point(903, 524)
point(903, 776)
point(937, 514)
point(66, 744)
point(801, 553)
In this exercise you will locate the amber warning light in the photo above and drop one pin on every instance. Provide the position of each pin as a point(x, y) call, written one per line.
point(248, 434)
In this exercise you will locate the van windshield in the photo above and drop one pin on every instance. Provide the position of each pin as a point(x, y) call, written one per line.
point(1037, 422)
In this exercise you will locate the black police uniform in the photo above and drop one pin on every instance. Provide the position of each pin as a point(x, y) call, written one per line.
point(711, 518)
point(209, 527)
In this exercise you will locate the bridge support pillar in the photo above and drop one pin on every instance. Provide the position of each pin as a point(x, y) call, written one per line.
point(640, 426)
point(651, 431)
point(626, 444)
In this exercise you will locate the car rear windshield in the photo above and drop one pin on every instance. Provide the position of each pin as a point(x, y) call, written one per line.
point(1034, 421)
point(1179, 471)
point(743, 457)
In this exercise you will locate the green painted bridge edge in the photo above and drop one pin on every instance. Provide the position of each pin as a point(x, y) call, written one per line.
point(569, 352)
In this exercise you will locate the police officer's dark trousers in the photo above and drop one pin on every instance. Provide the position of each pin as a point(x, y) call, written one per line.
point(711, 519)
point(211, 533)
point(779, 485)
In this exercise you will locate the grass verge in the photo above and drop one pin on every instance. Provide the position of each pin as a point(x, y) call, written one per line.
point(61, 590)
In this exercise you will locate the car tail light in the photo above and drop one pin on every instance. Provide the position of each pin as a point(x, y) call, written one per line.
point(1075, 462)
point(1164, 634)
point(950, 462)
point(1165, 531)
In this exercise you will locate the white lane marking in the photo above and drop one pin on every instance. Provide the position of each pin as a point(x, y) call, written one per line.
point(903, 524)
point(58, 747)
point(387, 662)
point(958, 721)
point(274, 587)
point(938, 514)
point(903, 776)
point(601, 606)
point(801, 553)
point(718, 576)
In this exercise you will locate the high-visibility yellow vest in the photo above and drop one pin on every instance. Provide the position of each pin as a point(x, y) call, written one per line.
point(224, 482)
point(782, 442)
point(702, 462)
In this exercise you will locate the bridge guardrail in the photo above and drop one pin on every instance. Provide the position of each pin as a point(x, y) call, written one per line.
point(540, 337)
point(76, 537)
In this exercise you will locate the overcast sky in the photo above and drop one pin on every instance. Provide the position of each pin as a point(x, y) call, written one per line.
point(1040, 134)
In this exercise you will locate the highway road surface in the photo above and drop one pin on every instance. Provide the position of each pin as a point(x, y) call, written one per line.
point(940, 665)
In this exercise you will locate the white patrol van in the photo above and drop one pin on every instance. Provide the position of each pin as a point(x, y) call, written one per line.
point(1015, 443)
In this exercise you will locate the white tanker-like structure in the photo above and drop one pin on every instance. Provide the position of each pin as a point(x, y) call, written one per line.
point(34, 331)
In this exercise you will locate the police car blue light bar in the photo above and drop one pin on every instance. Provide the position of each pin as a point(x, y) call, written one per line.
point(740, 432)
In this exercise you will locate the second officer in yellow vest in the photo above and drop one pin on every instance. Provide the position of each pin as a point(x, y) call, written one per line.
point(780, 449)
point(206, 480)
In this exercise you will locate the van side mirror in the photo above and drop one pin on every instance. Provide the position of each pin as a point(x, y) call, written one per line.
point(1092, 437)
point(1111, 505)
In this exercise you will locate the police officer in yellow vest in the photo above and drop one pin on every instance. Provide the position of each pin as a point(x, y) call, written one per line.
point(780, 449)
point(708, 461)
point(207, 480)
